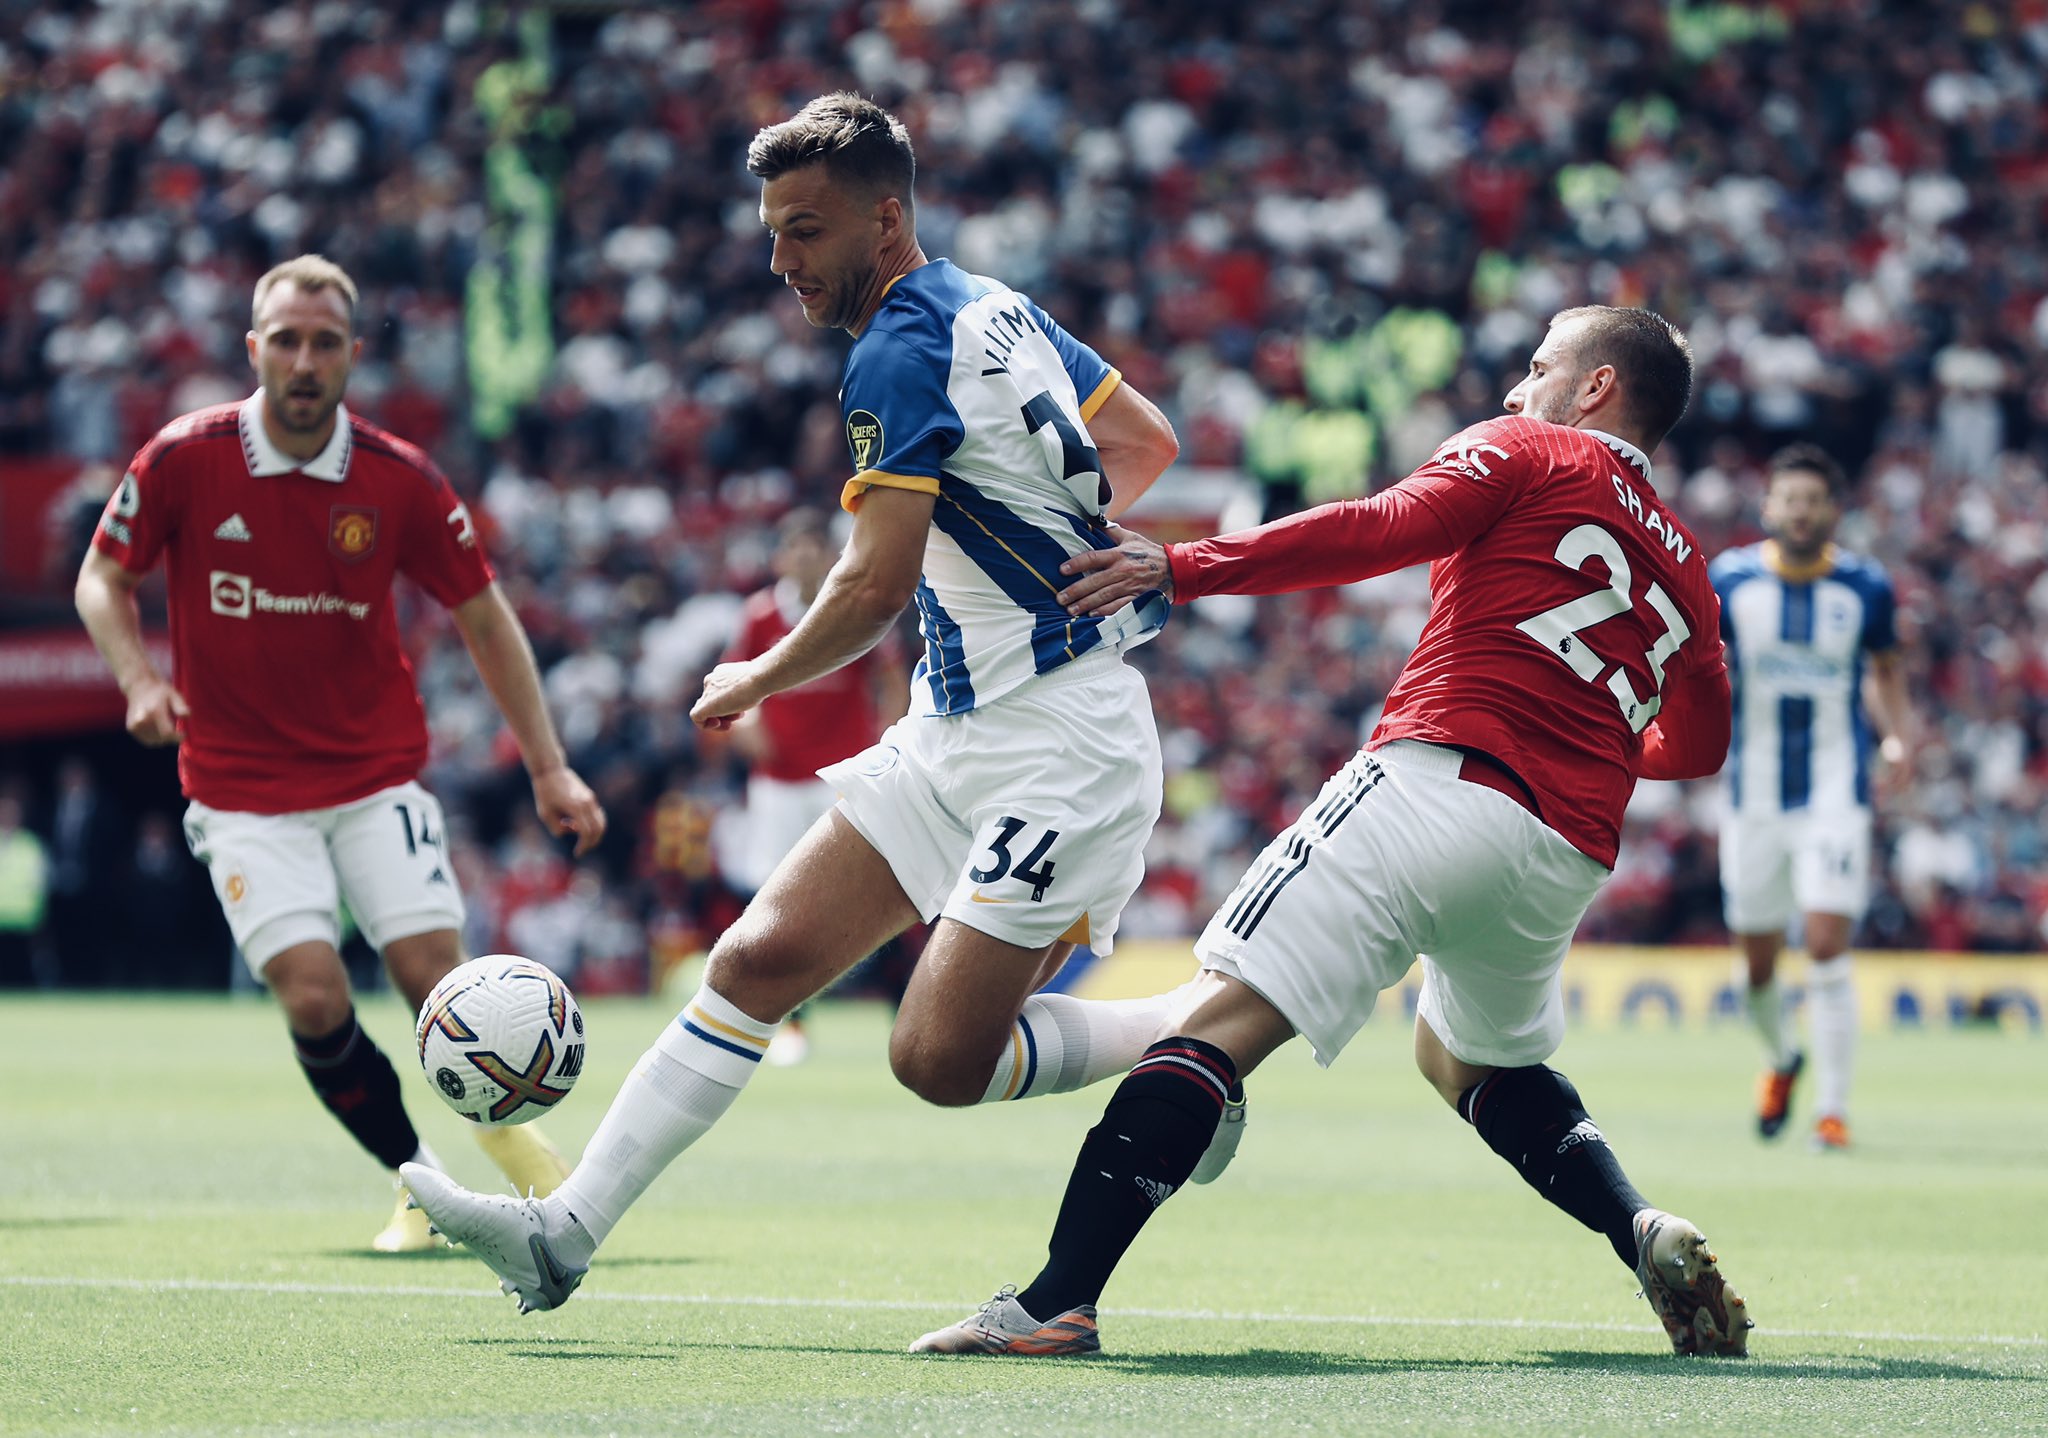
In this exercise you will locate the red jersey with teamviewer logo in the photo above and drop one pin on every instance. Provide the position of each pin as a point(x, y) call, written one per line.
point(283, 635)
point(1568, 607)
point(833, 716)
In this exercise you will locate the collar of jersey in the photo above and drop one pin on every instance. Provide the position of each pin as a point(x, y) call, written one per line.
point(1775, 561)
point(265, 458)
point(1623, 448)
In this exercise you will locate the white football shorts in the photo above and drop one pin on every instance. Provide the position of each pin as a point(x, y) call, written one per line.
point(1398, 859)
point(280, 878)
point(1027, 819)
point(1805, 861)
point(779, 812)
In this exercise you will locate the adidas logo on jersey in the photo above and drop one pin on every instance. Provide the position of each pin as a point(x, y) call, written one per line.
point(233, 528)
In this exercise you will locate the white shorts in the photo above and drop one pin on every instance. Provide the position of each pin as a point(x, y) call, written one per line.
point(280, 878)
point(1026, 820)
point(779, 812)
point(1774, 865)
point(1399, 858)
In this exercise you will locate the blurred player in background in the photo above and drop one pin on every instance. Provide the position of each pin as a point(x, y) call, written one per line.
point(1814, 648)
point(1011, 808)
point(282, 521)
point(795, 733)
point(1572, 646)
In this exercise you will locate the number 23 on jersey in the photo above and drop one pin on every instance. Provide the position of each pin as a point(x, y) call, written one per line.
point(1559, 629)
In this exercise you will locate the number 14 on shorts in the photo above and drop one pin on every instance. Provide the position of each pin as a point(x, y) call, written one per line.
point(1034, 868)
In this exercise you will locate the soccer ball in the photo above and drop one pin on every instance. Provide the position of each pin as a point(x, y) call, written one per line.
point(502, 1039)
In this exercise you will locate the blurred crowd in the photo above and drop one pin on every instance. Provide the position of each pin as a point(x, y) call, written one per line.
point(1322, 234)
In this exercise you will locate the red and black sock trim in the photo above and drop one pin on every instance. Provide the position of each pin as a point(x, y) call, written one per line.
point(1196, 1062)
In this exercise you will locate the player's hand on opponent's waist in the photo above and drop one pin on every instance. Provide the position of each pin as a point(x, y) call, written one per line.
point(730, 690)
point(156, 712)
point(566, 806)
point(1108, 579)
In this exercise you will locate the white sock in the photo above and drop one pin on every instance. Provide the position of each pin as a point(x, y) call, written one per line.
point(1767, 1013)
point(1831, 991)
point(678, 1090)
point(1060, 1043)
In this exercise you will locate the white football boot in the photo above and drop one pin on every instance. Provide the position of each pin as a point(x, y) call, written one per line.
point(507, 1233)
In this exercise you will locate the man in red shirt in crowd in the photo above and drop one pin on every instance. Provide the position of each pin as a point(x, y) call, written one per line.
point(1573, 646)
point(794, 734)
point(282, 521)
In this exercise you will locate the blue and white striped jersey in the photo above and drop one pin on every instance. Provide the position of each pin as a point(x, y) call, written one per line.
point(1796, 650)
point(964, 389)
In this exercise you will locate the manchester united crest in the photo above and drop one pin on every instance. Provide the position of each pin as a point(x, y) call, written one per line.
point(351, 531)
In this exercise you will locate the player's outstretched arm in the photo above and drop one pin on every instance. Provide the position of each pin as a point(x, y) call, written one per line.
point(498, 645)
point(869, 586)
point(105, 596)
point(1136, 443)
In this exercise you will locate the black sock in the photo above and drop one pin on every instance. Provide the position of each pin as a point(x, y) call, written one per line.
point(1158, 1123)
point(359, 1087)
point(1532, 1117)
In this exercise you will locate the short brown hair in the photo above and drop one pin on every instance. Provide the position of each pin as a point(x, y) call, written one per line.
point(861, 145)
point(311, 273)
point(1810, 459)
point(1648, 352)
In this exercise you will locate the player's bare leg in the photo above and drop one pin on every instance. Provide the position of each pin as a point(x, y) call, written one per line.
point(1832, 1022)
point(1766, 1004)
point(351, 1075)
point(831, 902)
point(1157, 1126)
point(521, 1152)
point(975, 1025)
point(1533, 1118)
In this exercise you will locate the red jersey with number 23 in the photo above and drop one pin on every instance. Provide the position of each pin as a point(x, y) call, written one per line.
point(283, 634)
point(1568, 606)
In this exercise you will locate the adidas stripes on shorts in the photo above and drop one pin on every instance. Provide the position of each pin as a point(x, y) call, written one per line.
point(1399, 859)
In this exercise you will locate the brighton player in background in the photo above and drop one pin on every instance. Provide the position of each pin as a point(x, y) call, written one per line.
point(281, 522)
point(794, 734)
point(1010, 809)
point(1572, 647)
point(1814, 652)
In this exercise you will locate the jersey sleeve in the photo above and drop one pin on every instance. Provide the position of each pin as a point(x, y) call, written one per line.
point(443, 553)
point(1880, 614)
point(140, 517)
point(1094, 379)
point(900, 424)
point(1434, 512)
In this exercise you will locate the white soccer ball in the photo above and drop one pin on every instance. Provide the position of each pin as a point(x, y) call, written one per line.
point(502, 1039)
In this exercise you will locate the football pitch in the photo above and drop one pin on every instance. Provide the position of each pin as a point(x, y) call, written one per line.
point(186, 1251)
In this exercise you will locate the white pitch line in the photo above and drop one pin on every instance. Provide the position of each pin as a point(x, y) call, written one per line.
point(900, 1305)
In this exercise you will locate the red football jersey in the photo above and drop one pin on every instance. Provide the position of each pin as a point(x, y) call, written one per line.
point(283, 637)
point(1566, 604)
point(831, 718)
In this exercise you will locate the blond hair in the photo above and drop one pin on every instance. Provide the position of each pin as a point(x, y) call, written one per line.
point(312, 274)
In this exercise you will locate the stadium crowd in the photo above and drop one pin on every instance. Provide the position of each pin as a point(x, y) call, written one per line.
point(1322, 235)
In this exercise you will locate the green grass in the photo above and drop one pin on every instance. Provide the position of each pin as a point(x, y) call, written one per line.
point(185, 1252)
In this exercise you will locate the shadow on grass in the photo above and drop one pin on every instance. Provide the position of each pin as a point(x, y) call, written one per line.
point(1271, 1363)
point(1285, 1363)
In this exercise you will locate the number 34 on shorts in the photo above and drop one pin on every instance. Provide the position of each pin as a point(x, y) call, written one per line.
point(1011, 849)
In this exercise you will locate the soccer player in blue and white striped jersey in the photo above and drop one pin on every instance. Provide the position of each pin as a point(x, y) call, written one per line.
point(1010, 809)
point(1819, 695)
